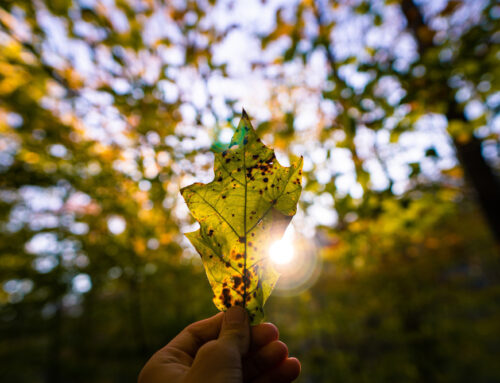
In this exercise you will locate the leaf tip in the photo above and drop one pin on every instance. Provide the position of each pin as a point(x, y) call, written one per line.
point(244, 113)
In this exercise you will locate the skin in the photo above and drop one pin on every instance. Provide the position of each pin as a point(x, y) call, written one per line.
point(223, 349)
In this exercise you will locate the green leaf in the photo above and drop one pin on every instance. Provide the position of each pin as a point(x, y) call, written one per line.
point(241, 212)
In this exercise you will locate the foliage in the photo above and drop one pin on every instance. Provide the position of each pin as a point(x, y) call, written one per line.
point(109, 108)
point(423, 306)
point(246, 208)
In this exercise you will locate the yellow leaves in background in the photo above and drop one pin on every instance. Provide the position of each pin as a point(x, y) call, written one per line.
point(11, 76)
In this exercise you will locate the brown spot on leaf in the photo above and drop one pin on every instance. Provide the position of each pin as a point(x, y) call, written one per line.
point(226, 297)
point(236, 281)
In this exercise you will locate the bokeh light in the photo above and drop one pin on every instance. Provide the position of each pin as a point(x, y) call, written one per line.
point(108, 108)
point(116, 224)
point(82, 283)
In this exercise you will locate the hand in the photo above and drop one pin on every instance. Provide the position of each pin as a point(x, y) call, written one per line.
point(223, 349)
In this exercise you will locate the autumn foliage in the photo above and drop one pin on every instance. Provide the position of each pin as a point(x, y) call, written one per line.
point(108, 109)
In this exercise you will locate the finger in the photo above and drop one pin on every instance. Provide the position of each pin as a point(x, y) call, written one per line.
point(180, 351)
point(265, 359)
point(263, 334)
point(286, 372)
point(195, 335)
point(220, 360)
point(235, 329)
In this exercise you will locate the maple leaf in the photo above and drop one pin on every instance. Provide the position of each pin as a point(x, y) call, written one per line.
point(241, 212)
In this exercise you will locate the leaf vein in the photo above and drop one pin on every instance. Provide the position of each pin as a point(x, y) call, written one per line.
point(272, 204)
point(230, 175)
point(219, 214)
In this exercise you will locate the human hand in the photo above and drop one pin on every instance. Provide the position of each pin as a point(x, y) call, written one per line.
point(223, 349)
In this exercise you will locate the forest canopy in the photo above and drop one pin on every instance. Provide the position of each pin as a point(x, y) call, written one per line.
point(390, 268)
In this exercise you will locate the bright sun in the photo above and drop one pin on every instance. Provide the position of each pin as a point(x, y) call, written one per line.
point(281, 252)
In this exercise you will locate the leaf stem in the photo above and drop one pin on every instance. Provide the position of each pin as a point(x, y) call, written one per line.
point(245, 277)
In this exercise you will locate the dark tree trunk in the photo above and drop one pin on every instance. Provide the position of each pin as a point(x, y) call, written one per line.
point(53, 373)
point(478, 173)
point(481, 177)
point(136, 317)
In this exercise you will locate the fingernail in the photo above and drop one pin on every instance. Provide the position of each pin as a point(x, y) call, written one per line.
point(235, 315)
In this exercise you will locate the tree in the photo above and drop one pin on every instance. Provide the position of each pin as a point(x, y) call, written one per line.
point(452, 53)
point(108, 108)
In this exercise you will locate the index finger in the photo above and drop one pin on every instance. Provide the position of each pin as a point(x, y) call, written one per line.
point(196, 335)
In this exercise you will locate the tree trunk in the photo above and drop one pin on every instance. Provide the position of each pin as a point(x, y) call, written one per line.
point(478, 173)
point(481, 177)
point(136, 317)
point(53, 372)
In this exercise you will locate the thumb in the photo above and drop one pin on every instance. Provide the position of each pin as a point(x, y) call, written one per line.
point(235, 329)
point(221, 360)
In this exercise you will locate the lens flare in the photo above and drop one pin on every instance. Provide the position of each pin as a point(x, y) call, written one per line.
point(281, 252)
point(296, 258)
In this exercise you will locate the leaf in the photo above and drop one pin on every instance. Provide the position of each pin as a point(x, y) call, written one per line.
point(241, 212)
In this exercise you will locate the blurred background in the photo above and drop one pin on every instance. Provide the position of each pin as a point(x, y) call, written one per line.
point(107, 107)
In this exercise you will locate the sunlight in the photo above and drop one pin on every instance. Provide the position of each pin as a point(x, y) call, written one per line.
point(281, 252)
point(296, 259)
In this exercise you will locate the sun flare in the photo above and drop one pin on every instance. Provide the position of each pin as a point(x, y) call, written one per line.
point(282, 252)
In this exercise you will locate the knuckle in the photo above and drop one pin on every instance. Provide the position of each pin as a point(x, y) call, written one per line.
point(208, 348)
point(192, 328)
